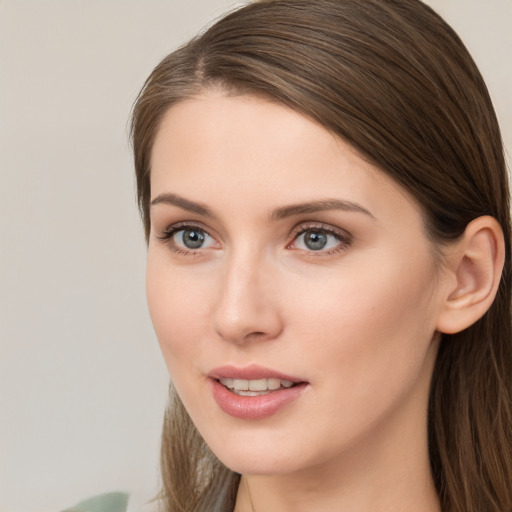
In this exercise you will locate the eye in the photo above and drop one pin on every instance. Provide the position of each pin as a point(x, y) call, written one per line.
point(192, 238)
point(319, 239)
point(187, 239)
point(316, 241)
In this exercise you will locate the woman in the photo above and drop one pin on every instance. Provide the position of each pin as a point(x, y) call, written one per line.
point(325, 201)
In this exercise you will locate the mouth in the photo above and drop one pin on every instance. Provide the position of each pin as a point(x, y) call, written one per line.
point(256, 387)
point(254, 392)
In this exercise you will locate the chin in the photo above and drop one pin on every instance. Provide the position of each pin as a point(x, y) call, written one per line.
point(254, 455)
point(259, 464)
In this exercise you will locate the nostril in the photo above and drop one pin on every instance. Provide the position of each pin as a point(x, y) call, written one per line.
point(255, 335)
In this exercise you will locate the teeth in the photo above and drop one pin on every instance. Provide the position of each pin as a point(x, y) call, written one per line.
point(273, 384)
point(255, 387)
point(258, 385)
point(241, 384)
point(227, 382)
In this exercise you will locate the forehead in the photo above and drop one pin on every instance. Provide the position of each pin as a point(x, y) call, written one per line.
point(217, 123)
point(218, 146)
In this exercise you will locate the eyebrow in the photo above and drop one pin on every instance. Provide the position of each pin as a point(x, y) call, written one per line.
point(278, 214)
point(181, 202)
point(318, 206)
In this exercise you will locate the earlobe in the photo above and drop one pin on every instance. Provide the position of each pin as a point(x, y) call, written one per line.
point(476, 263)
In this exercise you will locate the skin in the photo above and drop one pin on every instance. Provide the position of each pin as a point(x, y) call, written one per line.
point(357, 321)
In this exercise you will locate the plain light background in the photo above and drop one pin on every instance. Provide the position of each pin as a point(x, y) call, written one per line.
point(82, 383)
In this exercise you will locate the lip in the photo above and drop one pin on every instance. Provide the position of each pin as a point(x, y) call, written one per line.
point(251, 372)
point(253, 407)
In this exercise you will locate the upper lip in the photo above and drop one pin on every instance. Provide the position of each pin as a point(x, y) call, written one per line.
point(251, 372)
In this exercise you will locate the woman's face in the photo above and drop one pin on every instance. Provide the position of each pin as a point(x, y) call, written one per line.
point(291, 286)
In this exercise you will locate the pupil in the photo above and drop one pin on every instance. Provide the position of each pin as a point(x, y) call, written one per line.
point(193, 239)
point(315, 241)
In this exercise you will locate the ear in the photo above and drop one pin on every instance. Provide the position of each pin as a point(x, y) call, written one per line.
point(474, 266)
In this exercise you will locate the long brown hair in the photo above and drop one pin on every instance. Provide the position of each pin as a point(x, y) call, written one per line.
point(393, 79)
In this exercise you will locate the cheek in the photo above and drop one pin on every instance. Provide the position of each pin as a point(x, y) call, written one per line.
point(369, 319)
point(177, 310)
point(365, 339)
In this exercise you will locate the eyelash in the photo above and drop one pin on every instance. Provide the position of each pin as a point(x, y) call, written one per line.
point(343, 237)
point(167, 235)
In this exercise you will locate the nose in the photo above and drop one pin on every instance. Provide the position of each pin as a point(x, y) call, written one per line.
point(247, 306)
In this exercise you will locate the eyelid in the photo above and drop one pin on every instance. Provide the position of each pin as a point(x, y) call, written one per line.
point(319, 226)
point(166, 237)
point(176, 226)
point(343, 236)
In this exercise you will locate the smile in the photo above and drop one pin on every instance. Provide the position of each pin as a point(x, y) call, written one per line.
point(254, 392)
point(257, 387)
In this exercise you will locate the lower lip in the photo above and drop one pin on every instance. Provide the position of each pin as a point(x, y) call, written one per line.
point(254, 407)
